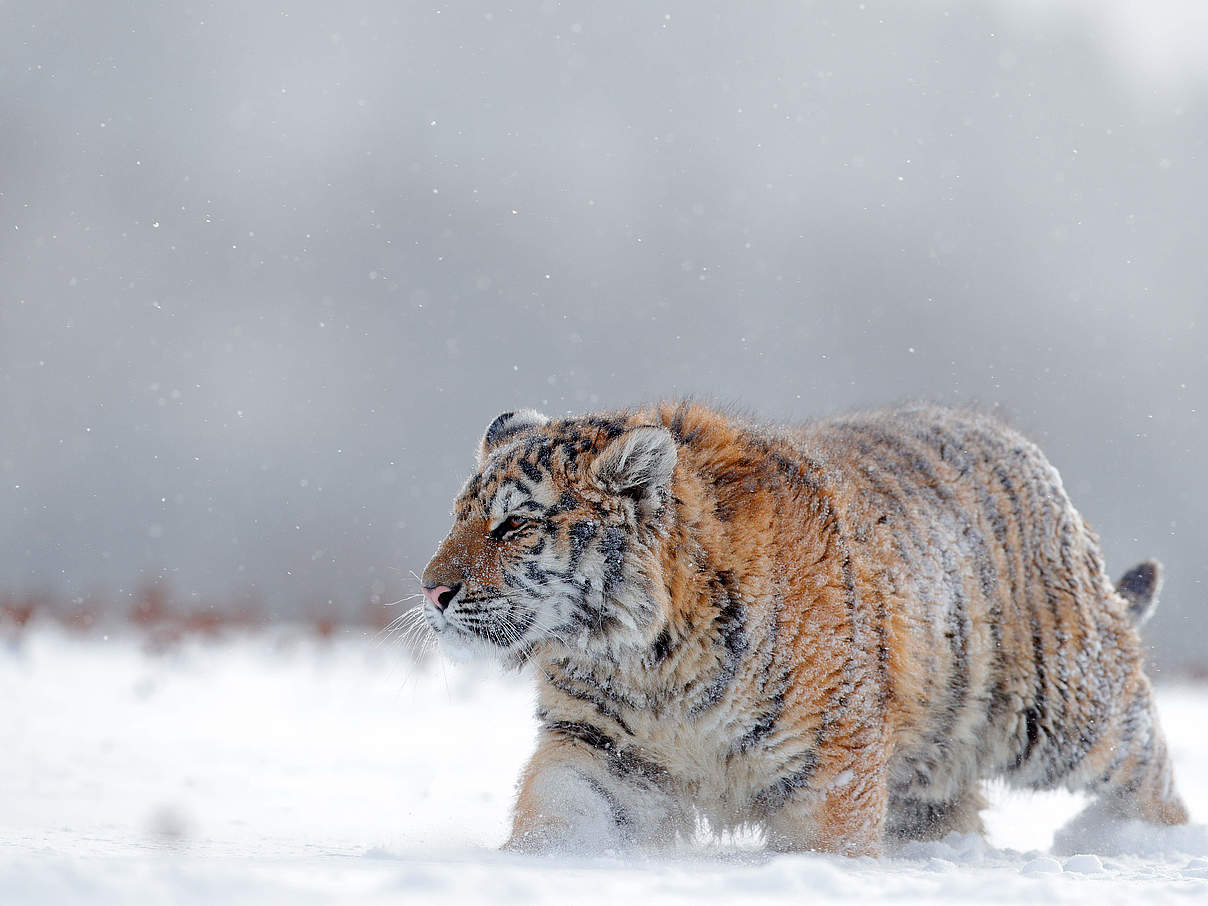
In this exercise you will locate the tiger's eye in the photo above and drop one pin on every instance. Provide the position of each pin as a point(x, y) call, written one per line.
point(509, 525)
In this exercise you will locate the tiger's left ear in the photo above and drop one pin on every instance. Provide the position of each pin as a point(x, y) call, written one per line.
point(506, 427)
point(638, 464)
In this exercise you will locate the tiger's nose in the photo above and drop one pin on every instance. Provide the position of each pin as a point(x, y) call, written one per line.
point(441, 595)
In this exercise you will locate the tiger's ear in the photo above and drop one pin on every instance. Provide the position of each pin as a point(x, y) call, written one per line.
point(505, 428)
point(638, 464)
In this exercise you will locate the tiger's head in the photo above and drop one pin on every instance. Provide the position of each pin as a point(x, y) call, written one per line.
point(554, 539)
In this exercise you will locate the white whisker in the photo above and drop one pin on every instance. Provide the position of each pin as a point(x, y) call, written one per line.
point(400, 624)
point(408, 598)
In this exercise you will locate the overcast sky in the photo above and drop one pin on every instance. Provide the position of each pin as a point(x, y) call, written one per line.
point(266, 275)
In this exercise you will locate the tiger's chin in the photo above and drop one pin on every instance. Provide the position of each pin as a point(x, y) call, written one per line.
point(463, 648)
point(466, 648)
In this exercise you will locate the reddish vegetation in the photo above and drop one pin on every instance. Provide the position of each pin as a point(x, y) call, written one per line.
point(166, 620)
point(17, 611)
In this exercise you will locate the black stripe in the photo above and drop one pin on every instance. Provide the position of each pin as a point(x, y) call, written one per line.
point(1091, 674)
point(610, 427)
point(730, 635)
point(911, 459)
point(605, 687)
point(534, 474)
point(924, 454)
point(580, 535)
point(1040, 495)
point(565, 503)
point(585, 733)
point(511, 481)
point(774, 797)
point(661, 647)
point(613, 547)
point(958, 637)
point(622, 763)
point(1036, 714)
point(472, 487)
point(991, 588)
point(676, 426)
point(903, 524)
point(621, 819)
point(567, 688)
point(497, 430)
point(1136, 718)
point(763, 726)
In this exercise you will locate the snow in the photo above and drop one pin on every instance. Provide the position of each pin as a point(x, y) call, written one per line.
point(275, 769)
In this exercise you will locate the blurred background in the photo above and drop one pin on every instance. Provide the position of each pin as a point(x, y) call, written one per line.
point(266, 273)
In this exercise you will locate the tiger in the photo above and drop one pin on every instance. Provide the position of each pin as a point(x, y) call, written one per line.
point(832, 633)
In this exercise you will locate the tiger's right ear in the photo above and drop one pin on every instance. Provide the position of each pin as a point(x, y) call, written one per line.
point(505, 428)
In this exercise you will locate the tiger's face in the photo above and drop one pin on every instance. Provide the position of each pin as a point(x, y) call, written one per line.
point(551, 539)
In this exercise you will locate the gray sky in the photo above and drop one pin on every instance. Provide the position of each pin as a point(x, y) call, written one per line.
point(265, 276)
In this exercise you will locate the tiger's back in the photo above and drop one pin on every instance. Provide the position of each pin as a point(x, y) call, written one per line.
point(1016, 657)
point(833, 632)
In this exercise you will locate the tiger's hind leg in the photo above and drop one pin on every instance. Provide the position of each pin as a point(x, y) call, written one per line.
point(913, 818)
point(1138, 779)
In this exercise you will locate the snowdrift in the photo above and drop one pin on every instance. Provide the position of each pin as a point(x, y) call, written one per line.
point(279, 769)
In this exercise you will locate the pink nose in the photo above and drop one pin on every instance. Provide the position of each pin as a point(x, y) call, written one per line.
point(441, 595)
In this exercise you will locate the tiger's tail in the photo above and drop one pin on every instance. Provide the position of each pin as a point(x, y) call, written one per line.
point(1139, 587)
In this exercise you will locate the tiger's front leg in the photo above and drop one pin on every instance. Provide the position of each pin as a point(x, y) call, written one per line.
point(579, 799)
point(844, 814)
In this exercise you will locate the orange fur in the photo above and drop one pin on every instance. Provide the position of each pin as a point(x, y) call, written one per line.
point(832, 632)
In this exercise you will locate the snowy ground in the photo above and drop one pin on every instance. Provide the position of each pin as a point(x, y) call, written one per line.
point(274, 771)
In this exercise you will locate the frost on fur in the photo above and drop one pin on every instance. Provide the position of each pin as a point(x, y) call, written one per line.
point(507, 427)
point(638, 464)
point(833, 633)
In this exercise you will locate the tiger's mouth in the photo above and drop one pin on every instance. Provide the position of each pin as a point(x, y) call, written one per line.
point(483, 628)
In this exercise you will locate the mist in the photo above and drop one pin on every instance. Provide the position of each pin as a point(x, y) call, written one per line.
point(266, 275)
